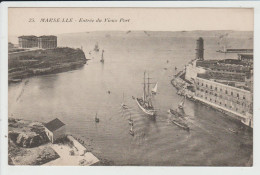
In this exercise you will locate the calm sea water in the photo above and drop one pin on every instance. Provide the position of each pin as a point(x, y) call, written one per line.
point(75, 97)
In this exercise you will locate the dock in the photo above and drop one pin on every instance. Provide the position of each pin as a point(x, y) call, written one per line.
point(76, 155)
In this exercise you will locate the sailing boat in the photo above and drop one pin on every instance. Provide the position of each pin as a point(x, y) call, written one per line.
point(131, 122)
point(181, 104)
point(154, 90)
point(102, 57)
point(131, 131)
point(145, 103)
point(96, 118)
point(96, 48)
point(123, 105)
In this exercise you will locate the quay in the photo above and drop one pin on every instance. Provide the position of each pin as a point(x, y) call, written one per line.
point(73, 155)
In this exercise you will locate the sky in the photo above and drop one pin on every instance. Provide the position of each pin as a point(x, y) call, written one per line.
point(152, 19)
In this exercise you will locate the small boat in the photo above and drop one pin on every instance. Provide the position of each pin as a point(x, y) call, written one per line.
point(96, 118)
point(131, 131)
point(154, 90)
point(181, 104)
point(96, 48)
point(232, 130)
point(181, 124)
point(145, 103)
point(131, 122)
point(123, 105)
point(102, 57)
point(109, 92)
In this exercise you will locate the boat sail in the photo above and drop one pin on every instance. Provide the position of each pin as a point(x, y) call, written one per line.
point(145, 103)
point(154, 90)
point(96, 48)
point(131, 131)
point(131, 122)
point(102, 57)
point(181, 105)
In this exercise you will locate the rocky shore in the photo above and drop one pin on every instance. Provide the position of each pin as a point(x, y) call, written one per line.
point(28, 144)
point(40, 62)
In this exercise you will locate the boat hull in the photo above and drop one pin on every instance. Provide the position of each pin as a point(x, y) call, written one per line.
point(146, 111)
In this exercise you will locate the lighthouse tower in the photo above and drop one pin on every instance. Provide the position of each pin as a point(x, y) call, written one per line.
point(200, 49)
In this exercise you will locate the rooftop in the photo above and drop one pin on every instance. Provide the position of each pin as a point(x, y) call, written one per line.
point(28, 37)
point(54, 124)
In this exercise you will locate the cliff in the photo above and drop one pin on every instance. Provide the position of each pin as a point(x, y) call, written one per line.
point(38, 62)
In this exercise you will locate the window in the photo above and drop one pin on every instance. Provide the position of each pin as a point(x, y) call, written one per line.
point(237, 95)
point(210, 87)
point(206, 91)
point(198, 83)
point(226, 92)
point(216, 95)
point(221, 89)
point(206, 85)
point(216, 88)
point(232, 93)
point(225, 105)
point(244, 97)
point(202, 84)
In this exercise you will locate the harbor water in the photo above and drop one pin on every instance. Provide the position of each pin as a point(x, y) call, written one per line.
point(76, 96)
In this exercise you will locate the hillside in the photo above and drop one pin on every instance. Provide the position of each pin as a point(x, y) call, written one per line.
point(39, 62)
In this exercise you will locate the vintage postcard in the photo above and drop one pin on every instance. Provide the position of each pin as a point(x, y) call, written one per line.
point(130, 86)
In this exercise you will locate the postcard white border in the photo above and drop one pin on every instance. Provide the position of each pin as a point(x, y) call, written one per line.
point(32, 170)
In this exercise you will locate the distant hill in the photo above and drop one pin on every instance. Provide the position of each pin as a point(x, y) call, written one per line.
point(197, 33)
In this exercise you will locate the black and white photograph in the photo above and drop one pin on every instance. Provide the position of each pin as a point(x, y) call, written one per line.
point(130, 86)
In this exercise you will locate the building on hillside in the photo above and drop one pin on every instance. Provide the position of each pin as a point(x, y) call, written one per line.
point(55, 130)
point(47, 42)
point(28, 41)
point(31, 41)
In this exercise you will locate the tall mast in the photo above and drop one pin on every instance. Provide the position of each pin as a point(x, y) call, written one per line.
point(148, 86)
point(144, 88)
